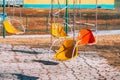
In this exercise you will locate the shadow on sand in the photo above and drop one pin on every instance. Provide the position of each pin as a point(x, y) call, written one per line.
point(12, 76)
point(28, 52)
point(46, 62)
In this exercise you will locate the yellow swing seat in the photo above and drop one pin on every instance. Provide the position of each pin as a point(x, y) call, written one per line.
point(10, 29)
point(58, 31)
point(65, 52)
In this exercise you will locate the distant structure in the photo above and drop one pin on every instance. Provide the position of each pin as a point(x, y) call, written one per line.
point(12, 2)
point(117, 4)
point(105, 4)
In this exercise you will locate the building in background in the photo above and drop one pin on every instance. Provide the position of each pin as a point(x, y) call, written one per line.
point(12, 2)
point(105, 4)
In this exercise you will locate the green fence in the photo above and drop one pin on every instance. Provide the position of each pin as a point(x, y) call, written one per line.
point(106, 21)
point(39, 23)
point(36, 23)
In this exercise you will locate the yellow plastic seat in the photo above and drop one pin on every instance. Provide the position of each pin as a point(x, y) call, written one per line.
point(69, 48)
point(10, 29)
point(65, 52)
point(57, 30)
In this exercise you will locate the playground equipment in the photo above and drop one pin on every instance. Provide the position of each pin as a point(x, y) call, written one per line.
point(57, 30)
point(69, 48)
point(65, 51)
point(8, 23)
point(10, 29)
point(85, 37)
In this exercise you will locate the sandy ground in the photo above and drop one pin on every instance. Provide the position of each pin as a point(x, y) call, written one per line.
point(28, 59)
point(107, 46)
point(22, 58)
point(22, 62)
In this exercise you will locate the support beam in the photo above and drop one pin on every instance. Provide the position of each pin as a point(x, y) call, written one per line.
point(4, 31)
point(66, 17)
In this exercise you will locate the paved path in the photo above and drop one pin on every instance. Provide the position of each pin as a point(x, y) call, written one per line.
point(26, 63)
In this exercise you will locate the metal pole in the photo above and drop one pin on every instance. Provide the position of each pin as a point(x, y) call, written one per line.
point(74, 17)
point(26, 23)
point(4, 31)
point(106, 21)
point(87, 19)
point(46, 23)
point(80, 13)
point(0, 4)
point(66, 17)
point(96, 24)
point(51, 16)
